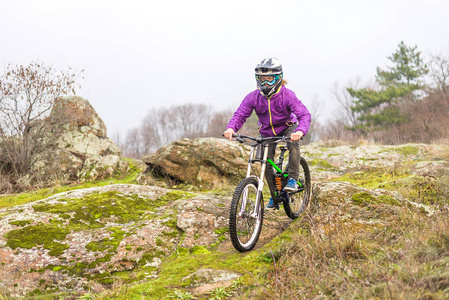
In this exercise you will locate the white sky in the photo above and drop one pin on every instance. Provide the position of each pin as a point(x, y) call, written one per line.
point(143, 54)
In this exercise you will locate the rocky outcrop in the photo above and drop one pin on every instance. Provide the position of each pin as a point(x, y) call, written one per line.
point(80, 148)
point(205, 162)
point(328, 162)
point(81, 238)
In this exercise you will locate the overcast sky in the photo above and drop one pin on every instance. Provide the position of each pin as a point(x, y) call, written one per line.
point(143, 54)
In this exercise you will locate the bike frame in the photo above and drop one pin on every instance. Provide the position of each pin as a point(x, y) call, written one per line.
point(260, 179)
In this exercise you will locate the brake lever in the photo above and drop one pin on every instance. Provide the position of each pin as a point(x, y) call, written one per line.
point(239, 139)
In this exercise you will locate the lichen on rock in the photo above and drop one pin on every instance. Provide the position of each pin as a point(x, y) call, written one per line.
point(93, 236)
point(80, 148)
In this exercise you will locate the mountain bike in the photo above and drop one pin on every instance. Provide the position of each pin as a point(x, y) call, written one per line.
point(247, 207)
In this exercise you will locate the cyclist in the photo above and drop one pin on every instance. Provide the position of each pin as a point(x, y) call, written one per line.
point(280, 113)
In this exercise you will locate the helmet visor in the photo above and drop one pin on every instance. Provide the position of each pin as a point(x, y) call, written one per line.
point(267, 79)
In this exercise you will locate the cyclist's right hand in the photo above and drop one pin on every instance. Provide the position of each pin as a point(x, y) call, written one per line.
point(229, 133)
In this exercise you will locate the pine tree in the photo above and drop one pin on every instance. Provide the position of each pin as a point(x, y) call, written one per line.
point(378, 109)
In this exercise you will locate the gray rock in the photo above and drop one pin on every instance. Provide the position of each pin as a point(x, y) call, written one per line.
point(81, 149)
point(207, 276)
point(205, 162)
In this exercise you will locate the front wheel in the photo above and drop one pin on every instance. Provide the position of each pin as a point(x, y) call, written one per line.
point(296, 202)
point(244, 227)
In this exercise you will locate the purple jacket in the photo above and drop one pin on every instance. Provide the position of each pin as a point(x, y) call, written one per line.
point(275, 113)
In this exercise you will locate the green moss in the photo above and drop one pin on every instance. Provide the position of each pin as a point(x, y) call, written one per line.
point(375, 178)
point(93, 210)
point(184, 263)
point(407, 150)
point(181, 251)
point(109, 244)
point(191, 280)
point(388, 200)
point(366, 198)
point(198, 250)
point(420, 189)
point(21, 223)
point(175, 195)
point(171, 234)
point(159, 242)
point(171, 223)
point(149, 256)
point(39, 235)
point(363, 198)
point(321, 164)
point(221, 231)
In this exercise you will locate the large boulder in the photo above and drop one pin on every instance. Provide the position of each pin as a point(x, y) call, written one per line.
point(80, 146)
point(204, 162)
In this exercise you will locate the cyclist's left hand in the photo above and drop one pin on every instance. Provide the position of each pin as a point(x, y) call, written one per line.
point(296, 136)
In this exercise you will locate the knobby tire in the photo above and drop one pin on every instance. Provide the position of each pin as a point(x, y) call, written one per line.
point(299, 201)
point(245, 230)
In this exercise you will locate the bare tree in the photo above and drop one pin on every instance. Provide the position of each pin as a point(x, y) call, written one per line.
point(133, 143)
point(150, 134)
point(27, 94)
point(192, 119)
point(218, 122)
point(344, 117)
point(164, 125)
point(439, 70)
point(315, 110)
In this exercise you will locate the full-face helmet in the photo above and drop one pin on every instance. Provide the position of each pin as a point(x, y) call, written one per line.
point(269, 76)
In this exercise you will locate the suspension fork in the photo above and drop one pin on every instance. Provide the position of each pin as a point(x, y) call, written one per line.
point(256, 213)
point(252, 155)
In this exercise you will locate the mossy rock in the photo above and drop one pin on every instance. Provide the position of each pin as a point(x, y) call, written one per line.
point(44, 235)
point(364, 198)
point(94, 210)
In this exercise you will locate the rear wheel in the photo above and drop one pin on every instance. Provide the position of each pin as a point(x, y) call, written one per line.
point(244, 228)
point(296, 202)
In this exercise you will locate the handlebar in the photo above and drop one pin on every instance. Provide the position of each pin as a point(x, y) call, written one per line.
point(260, 140)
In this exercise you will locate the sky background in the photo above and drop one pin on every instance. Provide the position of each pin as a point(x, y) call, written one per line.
point(143, 54)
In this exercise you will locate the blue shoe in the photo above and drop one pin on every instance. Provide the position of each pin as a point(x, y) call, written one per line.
point(270, 204)
point(291, 185)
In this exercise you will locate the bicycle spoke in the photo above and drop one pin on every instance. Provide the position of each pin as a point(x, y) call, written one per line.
point(244, 228)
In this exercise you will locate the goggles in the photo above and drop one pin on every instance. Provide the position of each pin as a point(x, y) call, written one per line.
point(270, 79)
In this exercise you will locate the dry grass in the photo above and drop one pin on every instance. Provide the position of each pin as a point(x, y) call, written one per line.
point(407, 259)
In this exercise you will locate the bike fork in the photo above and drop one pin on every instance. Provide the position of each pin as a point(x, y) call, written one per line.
point(256, 213)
